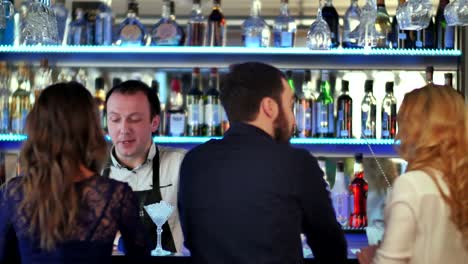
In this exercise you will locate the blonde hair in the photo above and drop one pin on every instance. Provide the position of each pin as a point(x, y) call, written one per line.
point(432, 129)
point(64, 133)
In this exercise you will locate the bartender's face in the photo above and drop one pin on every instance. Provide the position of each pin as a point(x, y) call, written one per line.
point(130, 125)
point(284, 123)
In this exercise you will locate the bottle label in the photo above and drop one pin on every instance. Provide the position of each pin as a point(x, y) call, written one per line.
point(16, 125)
point(402, 35)
point(300, 117)
point(368, 120)
point(176, 124)
point(252, 41)
point(212, 115)
point(4, 120)
point(131, 33)
point(284, 39)
point(341, 206)
point(419, 44)
point(193, 114)
point(308, 119)
point(166, 34)
point(385, 124)
point(324, 118)
point(449, 37)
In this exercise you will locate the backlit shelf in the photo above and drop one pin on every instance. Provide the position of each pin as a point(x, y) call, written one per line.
point(318, 146)
point(186, 57)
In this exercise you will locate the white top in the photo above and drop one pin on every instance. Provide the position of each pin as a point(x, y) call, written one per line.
point(141, 179)
point(418, 229)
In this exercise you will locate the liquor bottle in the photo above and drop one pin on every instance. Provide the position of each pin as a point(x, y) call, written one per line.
point(167, 32)
point(131, 32)
point(429, 74)
point(400, 38)
point(162, 115)
point(284, 29)
point(78, 29)
point(389, 112)
point(303, 108)
point(42, 79)
point(351, 21)
point(212, 104)
point(20, 101)
point(216, 33)
point(445, 35)
point(289, 78)
point(330, 15)
point(7, 32)
point(81, 77)
point(425, 37)
point(196, 26)
point(344, 120)
point(104, 23)
point(383, 25)
point(176, 113)
point(340, 196)
point(63, 18)
point(91, 27)
point(324, 109)
point(194, 102)
point(4, 98)
point(358, 189)
point(368, 112)
point(255, 31)
point(448, 80)
point(100, 98)
point(116, 81)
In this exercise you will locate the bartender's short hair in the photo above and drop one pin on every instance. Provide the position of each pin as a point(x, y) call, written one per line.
point(132, 87)
point(244, 87)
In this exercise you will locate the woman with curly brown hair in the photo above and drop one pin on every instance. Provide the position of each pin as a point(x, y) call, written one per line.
point(61, 209)
point(427, 214)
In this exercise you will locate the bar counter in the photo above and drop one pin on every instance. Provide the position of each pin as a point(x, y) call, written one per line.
point(355, 239)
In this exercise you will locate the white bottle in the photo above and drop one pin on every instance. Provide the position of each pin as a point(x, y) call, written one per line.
point(340, 196)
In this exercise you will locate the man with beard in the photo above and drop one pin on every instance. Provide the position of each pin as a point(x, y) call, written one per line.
point(247, 197)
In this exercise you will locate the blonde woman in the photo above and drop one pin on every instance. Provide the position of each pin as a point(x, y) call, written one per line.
point(427, 214)
point(61, 210)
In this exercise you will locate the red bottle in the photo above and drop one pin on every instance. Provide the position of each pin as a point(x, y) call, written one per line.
point(358, 190)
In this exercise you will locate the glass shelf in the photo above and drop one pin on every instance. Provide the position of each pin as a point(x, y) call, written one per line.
point(187, 57)
point(318, 146)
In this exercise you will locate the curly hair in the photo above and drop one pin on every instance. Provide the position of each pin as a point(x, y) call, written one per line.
point(64, 133)
point(432, 129)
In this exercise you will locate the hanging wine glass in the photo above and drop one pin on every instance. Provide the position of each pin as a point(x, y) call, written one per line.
point(414, 14)
point(368, 35)
point(456, 13)
point(40, 25)
point(6, 10)
point(319, 35)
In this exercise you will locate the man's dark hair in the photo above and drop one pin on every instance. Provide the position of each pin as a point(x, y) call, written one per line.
point(244, 87)
point(132, 87)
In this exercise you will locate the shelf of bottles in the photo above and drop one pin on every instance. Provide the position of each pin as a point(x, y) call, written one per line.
point(326, 146)
point(203, 40)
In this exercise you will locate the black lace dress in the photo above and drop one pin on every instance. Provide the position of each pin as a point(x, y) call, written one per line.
point(106, 206)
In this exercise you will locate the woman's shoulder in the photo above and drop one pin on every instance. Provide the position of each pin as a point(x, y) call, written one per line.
point(419, 181)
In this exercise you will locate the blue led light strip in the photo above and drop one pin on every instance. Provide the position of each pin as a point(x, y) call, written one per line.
point(225, 50)
point(199, 140)
point(12, 137)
